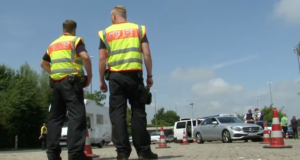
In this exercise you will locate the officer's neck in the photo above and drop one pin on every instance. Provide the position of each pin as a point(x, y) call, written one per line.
point(120, 21)
point(68, 34)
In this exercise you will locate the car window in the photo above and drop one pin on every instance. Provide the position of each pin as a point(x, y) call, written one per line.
point(206, 122)
point(199, 121)
point(180, 125)
point(214, 120)
point(230, 120)
point(194, 122)
point(155, 134)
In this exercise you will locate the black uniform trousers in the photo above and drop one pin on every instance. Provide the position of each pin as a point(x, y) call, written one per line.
point(44, 140)
point(67, 96)
point(123, 86)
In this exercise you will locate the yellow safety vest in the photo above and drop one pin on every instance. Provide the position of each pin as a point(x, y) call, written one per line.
point(123, 45)
point(64, 59)
point(44, 130)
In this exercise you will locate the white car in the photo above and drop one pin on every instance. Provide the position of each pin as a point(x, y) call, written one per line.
point(155, 137)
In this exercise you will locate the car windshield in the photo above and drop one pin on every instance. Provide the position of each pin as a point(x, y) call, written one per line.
point(155, 134)
point(230, 120)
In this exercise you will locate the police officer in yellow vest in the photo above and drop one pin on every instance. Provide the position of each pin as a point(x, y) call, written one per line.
point(123, 45)
point(43, 135)
point(64, 61)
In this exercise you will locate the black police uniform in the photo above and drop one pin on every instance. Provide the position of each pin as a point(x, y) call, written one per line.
point(249, 116)
point(123, 86)
point(67, 95)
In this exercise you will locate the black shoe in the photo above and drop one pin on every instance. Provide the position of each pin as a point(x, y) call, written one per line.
point(148, 156)
point(119, 157)
point(82, 158)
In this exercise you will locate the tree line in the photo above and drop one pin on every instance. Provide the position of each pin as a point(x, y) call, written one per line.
point(25, 97)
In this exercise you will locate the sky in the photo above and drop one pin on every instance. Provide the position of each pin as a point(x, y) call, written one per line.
point(218, 55)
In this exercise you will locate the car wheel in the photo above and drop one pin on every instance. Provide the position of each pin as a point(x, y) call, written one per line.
point(226, 137)
point(199, 138)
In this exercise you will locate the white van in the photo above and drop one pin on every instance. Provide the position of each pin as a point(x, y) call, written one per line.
point(187, 125)
point(98, 124)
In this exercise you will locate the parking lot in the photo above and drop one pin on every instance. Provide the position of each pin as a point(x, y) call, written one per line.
point(206, 151)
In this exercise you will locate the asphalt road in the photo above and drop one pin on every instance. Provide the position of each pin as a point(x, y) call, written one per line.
point(206, 151)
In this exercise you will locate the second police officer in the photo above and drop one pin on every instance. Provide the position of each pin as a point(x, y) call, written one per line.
point(123, 46)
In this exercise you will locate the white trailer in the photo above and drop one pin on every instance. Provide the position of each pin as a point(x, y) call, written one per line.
point(98, 124)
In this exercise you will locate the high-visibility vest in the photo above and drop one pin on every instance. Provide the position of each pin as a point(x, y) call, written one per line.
point(44, 130)
point(64, 59)
point(123, 45)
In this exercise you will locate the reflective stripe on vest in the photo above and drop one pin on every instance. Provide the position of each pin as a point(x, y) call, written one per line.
point(123, 51)
point(71, 60)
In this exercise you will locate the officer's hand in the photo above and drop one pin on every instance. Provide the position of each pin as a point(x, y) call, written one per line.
point(88, 81)
point(149, 82)
point(103, 87)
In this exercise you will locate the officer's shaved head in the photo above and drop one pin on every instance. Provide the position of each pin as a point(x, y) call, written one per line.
point(119, 11)
point(69, 26)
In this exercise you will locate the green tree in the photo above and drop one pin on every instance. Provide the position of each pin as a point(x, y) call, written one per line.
point(267, 112)
point(22, 107)
point(241, 116)
point(97, 96)
point(128, 120)
point(44, 82)
point(165, 118)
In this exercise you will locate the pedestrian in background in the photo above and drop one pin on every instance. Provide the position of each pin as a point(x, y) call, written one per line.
point(294, 124)
point(284, 124)
point(259, 118)
point(43, 136)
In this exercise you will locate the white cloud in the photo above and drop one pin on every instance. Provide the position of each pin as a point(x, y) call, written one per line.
point(215, 87)
point(192, 74)
point(213, 95)
point(288, 10)
point(225, 64)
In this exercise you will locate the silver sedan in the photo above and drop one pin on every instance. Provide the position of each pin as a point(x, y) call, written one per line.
point(226, 129)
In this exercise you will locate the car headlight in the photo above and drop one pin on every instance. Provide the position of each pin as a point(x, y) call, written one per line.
point(236, 128)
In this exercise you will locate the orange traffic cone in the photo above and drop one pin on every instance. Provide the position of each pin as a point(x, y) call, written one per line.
point(276, 134)
point(287, 136)
point(162, 139)
point(184, 140)
point(87, 148)
point(194, 140)
point(266, 137)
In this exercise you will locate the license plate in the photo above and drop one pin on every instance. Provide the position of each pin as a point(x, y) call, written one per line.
point(251, 134)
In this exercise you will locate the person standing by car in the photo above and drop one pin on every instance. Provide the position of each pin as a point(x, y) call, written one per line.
point(249, 118)
point(294, 124)
point(284, 124)
point(259, 118)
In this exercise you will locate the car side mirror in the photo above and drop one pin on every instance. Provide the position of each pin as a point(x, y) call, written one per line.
point(215, 122)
